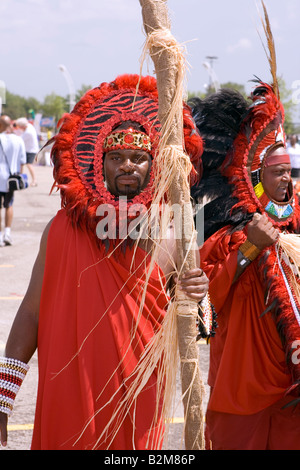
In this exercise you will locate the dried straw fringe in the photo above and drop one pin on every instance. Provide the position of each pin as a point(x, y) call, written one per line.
point(290, 245)
point(170, 162)
point(166, 371)
point(161, 354)
point(156, 43)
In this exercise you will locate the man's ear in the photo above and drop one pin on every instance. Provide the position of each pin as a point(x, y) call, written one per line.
point(103, 172)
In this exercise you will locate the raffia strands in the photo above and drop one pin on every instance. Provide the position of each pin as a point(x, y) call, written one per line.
point(160, 356)
point(156, 43)
point(170, 162)
point(173, 165)
point(290, 245)
point(166, 378)
point(193, 396)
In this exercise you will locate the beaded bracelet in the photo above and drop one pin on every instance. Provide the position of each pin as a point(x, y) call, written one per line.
point(249, 250)
point(12, 374)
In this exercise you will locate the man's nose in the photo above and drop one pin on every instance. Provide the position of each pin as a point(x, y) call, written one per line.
point(127, 165)
point(286, 176)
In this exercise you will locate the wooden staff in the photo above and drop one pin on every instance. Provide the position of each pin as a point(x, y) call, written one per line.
point(155, 19)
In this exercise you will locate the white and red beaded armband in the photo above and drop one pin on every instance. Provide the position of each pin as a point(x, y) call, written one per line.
point(12, 374)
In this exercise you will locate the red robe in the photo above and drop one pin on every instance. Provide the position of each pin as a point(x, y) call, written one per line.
point(248, 375)
point(89, 341)
point(248, 368)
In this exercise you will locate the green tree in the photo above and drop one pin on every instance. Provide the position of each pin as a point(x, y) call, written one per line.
point(237, 87)
point(289, 106)
point(33, 104)
point(285, 96)
point(54, 106)
point(17, 106)
point(82, 91)
point(286, 99)
point(209, 91)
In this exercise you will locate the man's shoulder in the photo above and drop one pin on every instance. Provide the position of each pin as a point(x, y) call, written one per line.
point(11, 138)
point(15, 138)
point(30, 129)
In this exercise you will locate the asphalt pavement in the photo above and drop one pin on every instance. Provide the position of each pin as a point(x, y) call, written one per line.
point(33, 208)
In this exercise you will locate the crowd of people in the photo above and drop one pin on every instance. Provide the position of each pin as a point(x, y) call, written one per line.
point(18, 148)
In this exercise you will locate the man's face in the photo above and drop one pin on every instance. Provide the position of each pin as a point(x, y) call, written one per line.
point(126, 172)
point(276, 180)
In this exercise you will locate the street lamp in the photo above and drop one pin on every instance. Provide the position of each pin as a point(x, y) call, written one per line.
point(213, 80)
point(70, 84)
point(2, 95)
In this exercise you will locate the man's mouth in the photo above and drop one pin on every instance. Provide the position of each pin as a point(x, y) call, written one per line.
point(282, 192)
point(127, 180)
point(128, 185)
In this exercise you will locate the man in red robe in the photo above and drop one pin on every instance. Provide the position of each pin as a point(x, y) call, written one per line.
point(82, 308)
point(254, 369)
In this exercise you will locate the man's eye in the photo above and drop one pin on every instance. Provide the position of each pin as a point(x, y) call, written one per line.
point(140, 158)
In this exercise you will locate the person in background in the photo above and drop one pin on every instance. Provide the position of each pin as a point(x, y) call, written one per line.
point(254, 372)
point(28, 133)
point(293, 149)
point(12, 159)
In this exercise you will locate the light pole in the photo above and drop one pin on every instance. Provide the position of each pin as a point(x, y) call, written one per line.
point(70, 84)
point(212, 76)
point(2, 95)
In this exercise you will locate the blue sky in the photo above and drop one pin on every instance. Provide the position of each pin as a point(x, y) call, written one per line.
point(99, 39)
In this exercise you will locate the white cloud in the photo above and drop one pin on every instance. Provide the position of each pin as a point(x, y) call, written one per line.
point(97, 39)
point(241, 45)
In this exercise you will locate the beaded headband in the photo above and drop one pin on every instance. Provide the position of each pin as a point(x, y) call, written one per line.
point(273, 159)
point(127, 139)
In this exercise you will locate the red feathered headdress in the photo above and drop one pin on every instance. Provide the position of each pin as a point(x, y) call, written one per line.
point(78, 147)
point(261, 133)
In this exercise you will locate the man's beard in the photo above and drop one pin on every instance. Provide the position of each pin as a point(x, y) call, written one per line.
point(128, 191)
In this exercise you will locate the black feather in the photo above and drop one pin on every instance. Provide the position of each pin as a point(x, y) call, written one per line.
point(218, 119)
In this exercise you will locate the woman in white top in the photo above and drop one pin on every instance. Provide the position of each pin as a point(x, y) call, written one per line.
point(28, 133)
point(294, 153)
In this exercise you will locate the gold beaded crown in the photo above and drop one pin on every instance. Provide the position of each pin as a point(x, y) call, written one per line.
point(128, 139)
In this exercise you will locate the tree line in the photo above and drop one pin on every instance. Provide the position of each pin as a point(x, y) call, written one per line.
point(291, 109)
point(55, 105)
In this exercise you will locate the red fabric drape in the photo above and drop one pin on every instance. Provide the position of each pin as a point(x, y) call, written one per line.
point(90, 306)
point(247, 370)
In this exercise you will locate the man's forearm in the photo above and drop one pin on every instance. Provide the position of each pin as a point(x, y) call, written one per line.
point(22, 340)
